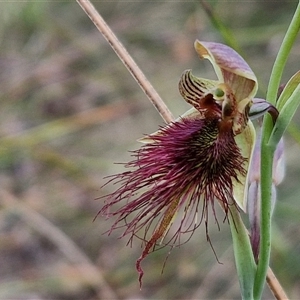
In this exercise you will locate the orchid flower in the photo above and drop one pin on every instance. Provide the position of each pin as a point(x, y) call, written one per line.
point(187, 166)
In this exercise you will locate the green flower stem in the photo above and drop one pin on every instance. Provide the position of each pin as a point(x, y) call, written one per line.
point(244, 260)
point(282, 56)
point(267, 153)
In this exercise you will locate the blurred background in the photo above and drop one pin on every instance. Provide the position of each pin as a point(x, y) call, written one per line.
point(70, 110)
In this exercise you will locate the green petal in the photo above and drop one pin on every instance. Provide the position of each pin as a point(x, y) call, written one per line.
point(230, 68)
point(246, 142)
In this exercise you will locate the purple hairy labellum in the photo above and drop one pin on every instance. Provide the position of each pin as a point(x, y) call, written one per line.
point(187, 166)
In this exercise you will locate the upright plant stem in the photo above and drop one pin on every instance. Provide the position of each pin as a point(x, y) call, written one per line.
point(282, 56)
point(267, 153)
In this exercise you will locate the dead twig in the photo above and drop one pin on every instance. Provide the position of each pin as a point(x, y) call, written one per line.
point(127, 60)
point(275, 286)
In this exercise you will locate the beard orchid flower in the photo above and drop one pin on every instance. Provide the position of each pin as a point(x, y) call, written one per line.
point(187, 166)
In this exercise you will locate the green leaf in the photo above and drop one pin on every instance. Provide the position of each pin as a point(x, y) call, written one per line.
point(244, 260)
point(285, 116)
point(288, 90)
